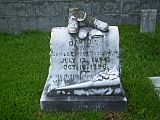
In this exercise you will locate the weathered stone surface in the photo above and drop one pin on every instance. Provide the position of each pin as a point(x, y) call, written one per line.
point(43, 23)
point(133, 19)
point(84, 74)
point(30, 9)
point(156, 82)
point(3, 24)
point(83, 5)
point(124, 19)
point(146, 4)
point(54, 9)
point(14, 24)
point(41, 8)
point(14, 9)
point(148, 20)
point(155, 4)
point(24, 24)
point(32, 21)
point(111, 6)
point(158, 18)
point(112, 19)
point(28, 23)
point(131, 6)
point(97, 11)
point(2, 9)
point(81, 60)
point(57, 10)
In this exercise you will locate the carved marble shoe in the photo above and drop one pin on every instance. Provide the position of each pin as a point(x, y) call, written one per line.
point(95, 23)
point(72, 25)
point(83, 33)
point(100, 25)
point(89, 20)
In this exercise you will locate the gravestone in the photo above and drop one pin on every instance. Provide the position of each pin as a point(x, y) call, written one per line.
point(148, 20)
point(156, 82)
point(84, 74)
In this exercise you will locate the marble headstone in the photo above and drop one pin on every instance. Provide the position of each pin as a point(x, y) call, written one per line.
point(84, 74)
point(148, 20)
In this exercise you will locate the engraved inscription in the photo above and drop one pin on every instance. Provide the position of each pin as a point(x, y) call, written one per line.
point(78, 61)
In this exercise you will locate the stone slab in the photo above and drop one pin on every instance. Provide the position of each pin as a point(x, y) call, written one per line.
point(74, 64)
point(148, 20)
point(156, 82)
point(80, 61)
point(91, 103)
point(111, 11)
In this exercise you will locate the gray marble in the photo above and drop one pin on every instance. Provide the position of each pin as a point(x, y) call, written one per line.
point(84, 74)
point(156, 82)
point(148, 20)
point(91, 103)
point(82, 63)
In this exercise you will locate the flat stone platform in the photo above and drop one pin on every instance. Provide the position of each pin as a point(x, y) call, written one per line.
point(92, 103)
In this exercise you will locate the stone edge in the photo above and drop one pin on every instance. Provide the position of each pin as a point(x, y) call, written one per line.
point(91, 103)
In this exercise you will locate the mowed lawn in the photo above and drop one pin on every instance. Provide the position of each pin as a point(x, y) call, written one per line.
point(24, 62)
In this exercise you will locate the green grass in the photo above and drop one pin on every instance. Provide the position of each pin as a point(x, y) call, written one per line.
point(24, 62)
point(140, 59)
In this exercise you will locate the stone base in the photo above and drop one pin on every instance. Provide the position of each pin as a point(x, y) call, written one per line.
point(71, 103)
point(94, 103)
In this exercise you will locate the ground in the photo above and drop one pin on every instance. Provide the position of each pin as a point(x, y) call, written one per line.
point(24, 62)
